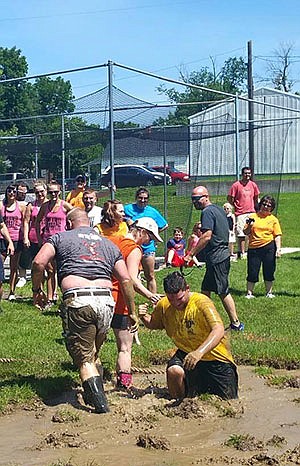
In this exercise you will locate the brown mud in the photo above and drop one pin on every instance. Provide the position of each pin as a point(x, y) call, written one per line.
point(145, 428)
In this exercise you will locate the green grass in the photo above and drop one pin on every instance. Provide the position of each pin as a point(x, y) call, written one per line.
point(271, 336)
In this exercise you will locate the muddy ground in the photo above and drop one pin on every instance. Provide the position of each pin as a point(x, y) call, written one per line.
point(146, 429)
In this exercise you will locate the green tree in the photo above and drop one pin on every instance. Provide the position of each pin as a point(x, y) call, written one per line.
point(231, 79)
point(14, 97)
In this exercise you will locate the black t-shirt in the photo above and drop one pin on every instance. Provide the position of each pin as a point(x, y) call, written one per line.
point(214, 218)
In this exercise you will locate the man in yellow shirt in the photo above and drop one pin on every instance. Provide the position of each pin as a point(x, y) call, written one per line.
point(203, 362)
point(75, 196)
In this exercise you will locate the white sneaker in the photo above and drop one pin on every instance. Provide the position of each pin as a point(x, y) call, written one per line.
point(270, 295)
point(11, 297)
point(249, 296)
point(243, 255)
point(21, 282)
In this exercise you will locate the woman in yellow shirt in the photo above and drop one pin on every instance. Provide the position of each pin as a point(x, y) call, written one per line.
point(264, 233)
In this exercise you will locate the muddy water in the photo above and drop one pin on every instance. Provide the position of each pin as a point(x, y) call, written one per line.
point(193, 433)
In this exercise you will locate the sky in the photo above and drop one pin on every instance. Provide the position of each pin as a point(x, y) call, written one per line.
point(157, 36)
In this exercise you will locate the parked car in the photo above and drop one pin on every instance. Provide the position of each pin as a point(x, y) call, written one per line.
point(176, 175)
point(133, 175)
point(13, 178)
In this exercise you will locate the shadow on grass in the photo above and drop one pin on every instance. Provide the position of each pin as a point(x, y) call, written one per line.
point(45, 388)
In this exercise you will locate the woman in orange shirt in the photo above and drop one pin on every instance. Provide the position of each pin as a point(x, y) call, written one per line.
point(264, 233)
point(141, 232)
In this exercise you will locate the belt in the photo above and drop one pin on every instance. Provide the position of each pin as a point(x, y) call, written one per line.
point(74, 293)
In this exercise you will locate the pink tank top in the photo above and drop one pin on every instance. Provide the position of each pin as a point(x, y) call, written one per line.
point(13, 221)
point(32, 231)
point(55, 222)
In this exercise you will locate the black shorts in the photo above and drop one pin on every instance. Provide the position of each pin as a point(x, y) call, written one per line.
point(216, 277)
point(1, 271)
point(120, 322)
point(213, 377)
point(18, 245)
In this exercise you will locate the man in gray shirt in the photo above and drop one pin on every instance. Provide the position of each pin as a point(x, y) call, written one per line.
point(214, 241)
point(85, 263)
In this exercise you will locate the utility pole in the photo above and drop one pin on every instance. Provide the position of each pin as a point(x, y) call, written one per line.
point(250, 108)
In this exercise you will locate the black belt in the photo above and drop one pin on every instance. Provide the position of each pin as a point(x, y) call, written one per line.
point(86, 292)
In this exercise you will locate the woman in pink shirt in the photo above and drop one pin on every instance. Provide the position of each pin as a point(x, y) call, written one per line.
point(12, 213)
point(51, 219)
point(31, 212)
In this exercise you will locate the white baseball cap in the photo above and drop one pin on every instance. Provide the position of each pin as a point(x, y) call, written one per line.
point(150, 225)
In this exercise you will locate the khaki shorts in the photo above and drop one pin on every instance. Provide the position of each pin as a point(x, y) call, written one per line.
point(86, 320)
point(240, 223)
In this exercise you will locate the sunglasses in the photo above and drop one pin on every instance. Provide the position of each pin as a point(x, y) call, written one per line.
point(143, 198)
point(53, 192)
point(197, 198)
point(11, 190)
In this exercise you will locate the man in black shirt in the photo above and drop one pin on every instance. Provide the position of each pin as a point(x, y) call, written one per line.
point(214, 240)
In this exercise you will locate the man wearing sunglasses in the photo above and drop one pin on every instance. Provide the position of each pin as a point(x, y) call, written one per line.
point(214, 239)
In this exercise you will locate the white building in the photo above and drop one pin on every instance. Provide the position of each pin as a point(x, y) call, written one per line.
point(214, 136)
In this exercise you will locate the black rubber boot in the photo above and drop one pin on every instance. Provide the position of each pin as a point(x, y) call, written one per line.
point(94, 394)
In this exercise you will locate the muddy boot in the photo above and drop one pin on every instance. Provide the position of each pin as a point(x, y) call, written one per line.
point(124, 380)
point(94, 394)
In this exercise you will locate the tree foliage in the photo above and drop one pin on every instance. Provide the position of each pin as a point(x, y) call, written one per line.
point(44, 96)
point(230, 79)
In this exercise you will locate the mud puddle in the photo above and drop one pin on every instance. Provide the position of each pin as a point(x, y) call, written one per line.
point(147, 429)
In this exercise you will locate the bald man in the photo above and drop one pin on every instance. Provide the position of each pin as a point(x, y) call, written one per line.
point(214, 240)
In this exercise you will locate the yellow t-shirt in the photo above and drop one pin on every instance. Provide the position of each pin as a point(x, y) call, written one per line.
point(75, 198)
point(189, 328)
point(118, 230)
point(264, 230)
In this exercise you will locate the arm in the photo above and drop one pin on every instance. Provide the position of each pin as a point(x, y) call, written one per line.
point(230, 199)
point(132, 262)
point(45, 255)
point(203, 241)
point(39, 218)
point(278, 245)
point(147, 318)
point(121, 274)
point(26, 221)
point(67, 206)
point(213, 339)
point(6, 235)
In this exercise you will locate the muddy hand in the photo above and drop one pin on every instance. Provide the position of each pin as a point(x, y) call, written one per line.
point(191, 360)
point(39, 300)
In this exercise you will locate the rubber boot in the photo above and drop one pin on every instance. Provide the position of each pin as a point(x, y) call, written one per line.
point(94, 394)
point(124, 379)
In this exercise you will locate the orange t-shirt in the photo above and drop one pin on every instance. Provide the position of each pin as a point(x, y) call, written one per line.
point(126, 246)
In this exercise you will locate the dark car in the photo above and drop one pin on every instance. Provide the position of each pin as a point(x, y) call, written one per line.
point(177, 176)
point(133, 175)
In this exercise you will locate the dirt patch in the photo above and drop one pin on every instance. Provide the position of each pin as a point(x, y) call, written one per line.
point(144, 427)
point(63, 440)
point(149, 441)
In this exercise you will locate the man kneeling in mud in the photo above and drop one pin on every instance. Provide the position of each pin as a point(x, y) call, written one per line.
point(203, 362)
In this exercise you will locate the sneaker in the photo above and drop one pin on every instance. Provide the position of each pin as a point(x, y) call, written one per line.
point(11, 297)
point(237, 328)
point(21, 282)
point(270, 295)
point(243, 255)
point(168, 265)
point(249, 296)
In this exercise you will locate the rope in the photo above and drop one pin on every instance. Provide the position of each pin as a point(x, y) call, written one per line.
point(135, 370)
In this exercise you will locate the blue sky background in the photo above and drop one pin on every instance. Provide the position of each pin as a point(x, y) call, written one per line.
point(158, 36)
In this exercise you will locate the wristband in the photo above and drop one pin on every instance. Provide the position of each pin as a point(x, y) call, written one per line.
point(38, 290)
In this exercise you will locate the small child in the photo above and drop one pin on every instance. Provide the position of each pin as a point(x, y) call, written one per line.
point(231, 224)
point(193, 240)
point(176, 248)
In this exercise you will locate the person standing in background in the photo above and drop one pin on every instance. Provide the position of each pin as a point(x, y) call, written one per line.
point(75, 196)
point(243, 196)
point(94, 212)
point(138, 210)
